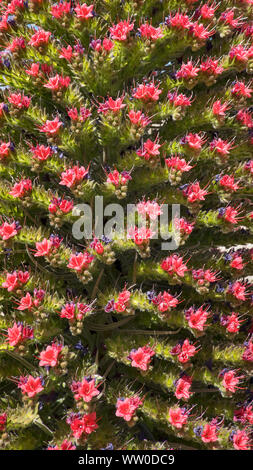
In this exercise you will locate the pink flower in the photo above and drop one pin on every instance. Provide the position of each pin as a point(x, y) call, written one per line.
point(66, 52)
point(240, 89)
point(138, 118)
point(241, 440)
point(85, 390)
point(80, 262)
point(197, 318)
point(120, 31)
point(73, 175)
point(187, 71)
point(239, 53)
point(230, 381)
point(147, 92)
point(51, 127)
point(15, 280)
point(21, 189)
point(57, 83)
point(141, 235)
point(141, 357)
point(41, 153)
point(19, 333)
point(220, 109)
point(60, 9)
point(126, 407)
point(228, 182)
point(211, 67)
point(40, 38)
point(149, 32)
point(84, 425)
point(26, 302)
point(222, 147)
point(179, 21)
point(195, 141)
point(84, 12)
point(209, 433)
point(174, 265)
point(19, 101)
point(194, 193)
point(150, 149)
point(30, 386)
point(43, 248)
point(177, 417)
point(8, 231)
point(183, 386)
point(178, 164)
point(50, 356)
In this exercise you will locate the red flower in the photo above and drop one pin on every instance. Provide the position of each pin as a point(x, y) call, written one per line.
point(84, 12)
point(65, 445)
point(187, 71)
point(219, 109)
point(200, 32)
point(178, 164)
point(22, 188)
point(120, 31)
point(184, 351)
point(30, 386)
point(138, 118)
point(174, 265)
point(231, 214)
point(19, 101)
point(228, 182)
point(184, 226)
point(209, 433)
point(141, 235)
point(8, 230)
point(241, 440)
point(57, 83)
point(50, 356)
point(237, 289)
point(232, 323)
point(148, 31)
point(60, 9)
point(4, 150)
point(3, 420)
point(26, 303)
point(40, 38)
point(177, 417)
point(43, 248)
point(211, 67)
point(85, 390)
point(195, 141)
point(239, 53)
point(230, 381)
point(73, 175)
point(141, 357)
point(126, 407)
point(179, 21)
point(147, 92)
point(66, 52)
point(179, 100)
point(240, 89)
point(51, 127)
point(80, 262)
point(208, 11)
point(84, 425)
point(150, 149)
point(19, 333)
point(237, 262)
point(15, 280)
point(41, 153)
point(221, 146)
point(183, 386)
point(197, 318)
point(248, 353)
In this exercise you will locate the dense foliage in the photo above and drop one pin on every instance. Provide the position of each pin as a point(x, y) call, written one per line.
point(115, 343)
